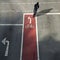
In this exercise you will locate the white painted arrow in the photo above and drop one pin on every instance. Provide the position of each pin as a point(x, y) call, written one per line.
point(29, 19)
point(4, 41)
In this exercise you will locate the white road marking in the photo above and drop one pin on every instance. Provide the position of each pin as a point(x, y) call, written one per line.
point(22, 39)
point(11, 24)
point(4, 41)
point(52, 13)
point(37, 40)
point(31, 3)
point(29, 18)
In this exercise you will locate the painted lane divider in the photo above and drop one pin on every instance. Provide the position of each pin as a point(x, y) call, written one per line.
point(29, 49)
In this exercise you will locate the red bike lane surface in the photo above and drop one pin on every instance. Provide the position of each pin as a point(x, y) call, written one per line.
point(29, 51)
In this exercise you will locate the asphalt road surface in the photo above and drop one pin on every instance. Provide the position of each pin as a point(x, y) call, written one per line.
point(48, 22)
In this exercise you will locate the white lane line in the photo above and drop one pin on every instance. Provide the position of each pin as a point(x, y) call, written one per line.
point(22, 40)
point(11, 24)
point(52, 13)
point(37, 40)
point(31, 3)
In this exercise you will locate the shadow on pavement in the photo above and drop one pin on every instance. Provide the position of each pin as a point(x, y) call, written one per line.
point(43, 12)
